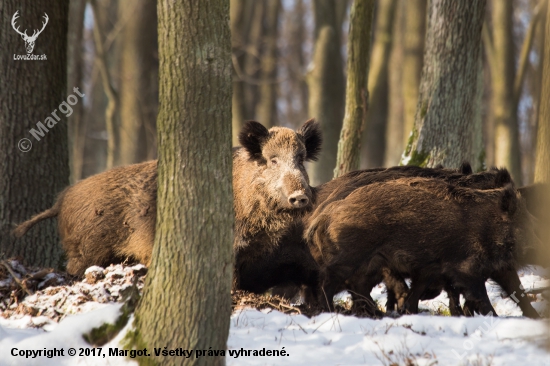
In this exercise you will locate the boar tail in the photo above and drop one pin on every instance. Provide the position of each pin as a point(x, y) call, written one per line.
point(22, 228)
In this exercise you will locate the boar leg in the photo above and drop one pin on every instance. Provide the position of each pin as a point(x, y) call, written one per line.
point(453, 294)
point(477, 299)
point(508, 279)
point(397, 289)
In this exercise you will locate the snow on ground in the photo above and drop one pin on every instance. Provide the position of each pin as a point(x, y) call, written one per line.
point(327, 339)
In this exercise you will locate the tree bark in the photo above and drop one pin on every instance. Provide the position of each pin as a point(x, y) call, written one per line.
point(186, 301)
point(74, 79)
point(357, 95)
point(266, 110)
point(326, 86)
point(137, 43)
point(31, 92)
point(395, 125)
point(542, 163)
point(446, 127)
point(374, 136)
point(413, 53)
point(507, 152)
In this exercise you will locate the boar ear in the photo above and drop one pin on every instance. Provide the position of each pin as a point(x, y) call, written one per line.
point(502, 178)
point(465, 168)
point(252, 136)
point(509, 200)
point(313, 139)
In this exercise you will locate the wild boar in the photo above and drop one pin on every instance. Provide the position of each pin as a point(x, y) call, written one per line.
point(111, 216)
point(106, 218)
point(425, 229)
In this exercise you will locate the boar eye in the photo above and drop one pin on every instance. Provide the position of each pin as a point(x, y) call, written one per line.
point(274, 162)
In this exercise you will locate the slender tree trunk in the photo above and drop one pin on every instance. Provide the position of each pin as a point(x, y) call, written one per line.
point(186, 301)
point(413, 53)
point(542, 164)
point(74, 79)
point(357, 95)
point(137, 46)
point(238, 41)
point(326, 88)
point(507, 152)
point(33, 168)
point(446, 127)
point(252, 67)
point(395, 129)
point(374, 136)
point(266, 110)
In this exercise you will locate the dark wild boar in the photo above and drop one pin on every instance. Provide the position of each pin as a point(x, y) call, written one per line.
point(425, 229)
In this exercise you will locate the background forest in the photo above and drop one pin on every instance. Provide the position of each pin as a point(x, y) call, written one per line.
point(289, 59)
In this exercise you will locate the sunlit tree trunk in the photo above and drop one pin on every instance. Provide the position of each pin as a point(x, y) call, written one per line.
point(413, 58)
point(34, 168)
point(326, 86)
point(137, 42)
point(374, 135)
point(542, 164)
point(357, 95)
point(186, 301)
point(506, 135)
point(394, 128)
point(447, 125)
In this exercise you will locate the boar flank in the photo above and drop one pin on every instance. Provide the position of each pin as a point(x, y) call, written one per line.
point(106, 218)
point(425, 229)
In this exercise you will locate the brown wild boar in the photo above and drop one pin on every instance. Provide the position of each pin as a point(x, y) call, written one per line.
point(111, 216)
point(425, 229)
point(106, 218)
point(272, 193)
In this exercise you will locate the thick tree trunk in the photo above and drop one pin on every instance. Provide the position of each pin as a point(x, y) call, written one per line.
point(34, 168)
point(357, 95)
point(506, 135)
point(374, 136)
point(137, 46)
point(186, 302)
point(413, 53)
point(542, 164)
point(326, 88)
point(394, 128)
point(447, 125)
point(266, 110)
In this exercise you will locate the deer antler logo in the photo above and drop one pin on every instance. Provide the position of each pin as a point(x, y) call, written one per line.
point(29, 41)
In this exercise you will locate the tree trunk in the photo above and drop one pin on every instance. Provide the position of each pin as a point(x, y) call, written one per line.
point(413, 53)
point(238, 41)
point(374, 136)
point(357, 95)
point(394, 128)
point(186, 301)
point(74, 79)
point(542, 163)
point(446, 127)
point(266, 110)
point(34, 167)
point(506, 136)
point(326, 88)
point(137, 44)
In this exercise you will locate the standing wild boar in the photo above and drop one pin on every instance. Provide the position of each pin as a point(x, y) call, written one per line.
point(425, 229)
point(111, 216)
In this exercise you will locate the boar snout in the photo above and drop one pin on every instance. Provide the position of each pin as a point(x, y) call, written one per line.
point(298, 200)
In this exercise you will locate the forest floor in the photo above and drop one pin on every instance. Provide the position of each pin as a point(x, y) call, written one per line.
point(43, 309)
